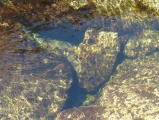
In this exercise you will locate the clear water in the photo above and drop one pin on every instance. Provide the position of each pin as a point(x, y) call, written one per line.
point(72, 33)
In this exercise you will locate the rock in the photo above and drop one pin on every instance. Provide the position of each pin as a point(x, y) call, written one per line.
point(134, 88)
point(78, 4)
point(97, 54)
point(107, 113)
point(33, 83)
point(138, 71)
point(84, 113)
point(143, 44)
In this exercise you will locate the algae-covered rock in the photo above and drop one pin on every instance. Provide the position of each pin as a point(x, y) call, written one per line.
point(143, 44)
point(33, 83)
point(97, 54)
point(89, 100)
point(113, 6)
point(131, 101)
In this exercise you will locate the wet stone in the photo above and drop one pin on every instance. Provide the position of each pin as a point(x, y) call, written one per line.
point(138, 71)
point(34, 84)
point(96, 59)
point(134, 88)
point(141, 45)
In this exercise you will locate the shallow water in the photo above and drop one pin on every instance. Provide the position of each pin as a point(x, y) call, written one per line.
point(15, 43)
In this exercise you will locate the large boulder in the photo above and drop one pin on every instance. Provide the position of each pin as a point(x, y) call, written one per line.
point(33, 82)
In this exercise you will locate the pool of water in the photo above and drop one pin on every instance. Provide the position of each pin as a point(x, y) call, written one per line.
point(39, 63)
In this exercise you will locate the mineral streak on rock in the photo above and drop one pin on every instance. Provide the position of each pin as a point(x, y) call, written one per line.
point(97, 54)
point(10, 39)
point(33, 84)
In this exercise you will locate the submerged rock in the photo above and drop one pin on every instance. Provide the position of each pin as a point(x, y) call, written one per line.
point(97, 54)
point(33, 83)
point(138, 71)
point(109, 113)
point(133, 88)
point(145, 43)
